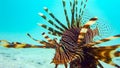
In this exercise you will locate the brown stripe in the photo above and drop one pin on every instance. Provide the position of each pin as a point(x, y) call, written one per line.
point(43, 33)
point(43, 16)
point(72, 20)
point(117, 35)
point(56, 20)
point(50, 21)
point(117, 54)
point(27, 46)
point(93, 19)
point(86, 26)
point(82, 33)
point(104, 40)
point(10, 46)
point(67, 55)
point(44, 26)
point(46, 37)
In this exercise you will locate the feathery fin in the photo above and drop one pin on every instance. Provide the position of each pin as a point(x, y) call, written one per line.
point(81, 12)
point(84, 29)
point(103, 40)
point(106, 53)
point(76, 15)
point(18, 45)
point(50, 44)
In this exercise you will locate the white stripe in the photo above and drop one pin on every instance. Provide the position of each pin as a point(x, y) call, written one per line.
point(91, 22)
point(83, 30)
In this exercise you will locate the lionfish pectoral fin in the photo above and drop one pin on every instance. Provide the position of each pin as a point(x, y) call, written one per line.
point(104, 40)
point(4, 43)
point(16, 44)
point(33, 38)
point(106, 54)
point(109, 61)
point(45, 44)
point(48, 38)
point(7, 44)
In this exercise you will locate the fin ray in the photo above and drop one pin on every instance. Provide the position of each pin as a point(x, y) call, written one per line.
point(104, 40)
point(50, 29)
point(50, 21)
point(51, 14)
point(65, 12)
point(72, 18)
point(84, 29)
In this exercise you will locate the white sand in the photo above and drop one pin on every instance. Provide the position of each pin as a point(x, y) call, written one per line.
point(30, 58)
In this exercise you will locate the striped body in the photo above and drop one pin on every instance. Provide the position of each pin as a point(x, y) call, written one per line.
point(71, 49)
point(76, 45)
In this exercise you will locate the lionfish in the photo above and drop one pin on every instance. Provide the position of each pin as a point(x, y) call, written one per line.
point(76, 45)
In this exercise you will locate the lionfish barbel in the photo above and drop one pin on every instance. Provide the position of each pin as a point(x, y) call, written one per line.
point(76, 45)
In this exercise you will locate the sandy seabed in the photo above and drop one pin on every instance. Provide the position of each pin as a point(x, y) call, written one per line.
point(30, 58)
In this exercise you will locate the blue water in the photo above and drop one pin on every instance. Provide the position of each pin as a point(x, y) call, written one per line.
point(18, 17)
point(21, 16)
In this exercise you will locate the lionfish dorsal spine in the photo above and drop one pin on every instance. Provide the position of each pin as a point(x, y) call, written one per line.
point(85, 28)
point(66, 14)
point(51, 22)
point(73, 12)
point(53, 31)
point(52, 15)
point(82, 8)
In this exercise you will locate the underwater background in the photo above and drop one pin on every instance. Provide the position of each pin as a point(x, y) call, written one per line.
point(19, 17)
